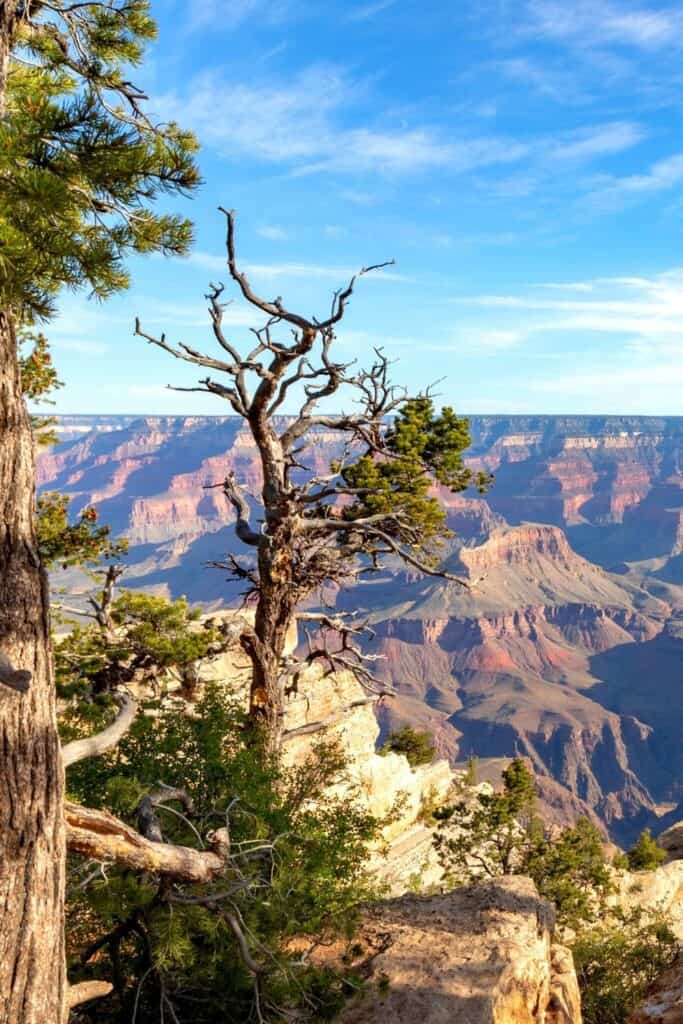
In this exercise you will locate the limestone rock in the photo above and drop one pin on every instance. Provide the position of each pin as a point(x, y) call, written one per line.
point(664, 1003)
point(480, 954)
point(660, 890)
point(671, 840)
point(385, 785)
point(564, 1006)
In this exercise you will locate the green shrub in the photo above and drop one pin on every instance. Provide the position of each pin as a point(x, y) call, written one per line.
point(489, 833)
point(417, 746)
point(296, 868)
point(570, 870)
point(617, 962)
point(646, 855)
point(501, 834)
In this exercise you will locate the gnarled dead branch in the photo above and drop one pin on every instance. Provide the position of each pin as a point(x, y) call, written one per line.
point(84, 991)
point(100, 836)
point(93, 746)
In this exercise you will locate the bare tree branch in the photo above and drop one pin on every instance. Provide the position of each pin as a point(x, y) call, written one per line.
point(84, 991)
point(100, 836)
point(235, 496)
point(93, 746)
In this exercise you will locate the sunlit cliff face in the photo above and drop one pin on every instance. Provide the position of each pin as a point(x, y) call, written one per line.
point(568, 645)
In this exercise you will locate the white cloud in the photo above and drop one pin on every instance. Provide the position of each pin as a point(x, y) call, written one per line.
point(608, 193)
point(293, 270)
point(84, 345)
point(367, 11)
point(413, 150)
point(603, 140)
point(554, 83)
point(300, 121)
point(280, 120)
point(272, 232)
point(597, 22)
point(641, 315)
point(192, 314)
point(221, 16)
point(611, 342)
point(466, 341)
point(358, 197)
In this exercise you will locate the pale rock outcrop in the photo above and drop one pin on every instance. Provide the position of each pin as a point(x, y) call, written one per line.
point(671, 840)
point(664, 1002)
point(481, 954)
point(386, 785)
point(660, 890)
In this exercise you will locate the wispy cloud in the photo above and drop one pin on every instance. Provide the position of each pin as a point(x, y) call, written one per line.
point(563, 86)
point(85, 345)
point(272, 232)
point(279, 120)
point(310, 271)
point(602, 140)
point(609, 193)
point(301, 121)
point(644, 311)
point(596, 22)
point(367, 11)
point(460, 340)
point(605, 344)
point(224, 17)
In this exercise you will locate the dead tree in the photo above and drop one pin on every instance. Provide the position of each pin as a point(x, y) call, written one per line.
point(337, 527)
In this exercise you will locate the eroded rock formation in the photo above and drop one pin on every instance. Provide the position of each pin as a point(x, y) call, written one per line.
point(551, 656)
point(481, 954)
point(664, 1002)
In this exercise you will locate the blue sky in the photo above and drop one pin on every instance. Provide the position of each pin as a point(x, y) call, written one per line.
point(521, 160)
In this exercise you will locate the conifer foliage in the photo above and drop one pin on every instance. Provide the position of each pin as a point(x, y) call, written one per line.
point(81, 165)
point(80, 160)
point(645, 854)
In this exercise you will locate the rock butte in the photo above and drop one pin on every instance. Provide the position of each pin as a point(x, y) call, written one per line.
point(569, 649)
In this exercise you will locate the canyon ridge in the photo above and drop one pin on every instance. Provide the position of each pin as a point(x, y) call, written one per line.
point(567, 649)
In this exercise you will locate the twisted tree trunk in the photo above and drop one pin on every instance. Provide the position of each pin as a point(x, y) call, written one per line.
point(32, 846)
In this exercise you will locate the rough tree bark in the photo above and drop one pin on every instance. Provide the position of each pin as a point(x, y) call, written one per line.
point(32, 841)
point(32, 850)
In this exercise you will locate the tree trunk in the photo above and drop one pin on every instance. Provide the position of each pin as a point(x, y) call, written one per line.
point(274, 613)
point(32, 848)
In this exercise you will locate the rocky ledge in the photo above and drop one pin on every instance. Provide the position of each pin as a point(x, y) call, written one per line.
point(664, 1003)
point(481, 954)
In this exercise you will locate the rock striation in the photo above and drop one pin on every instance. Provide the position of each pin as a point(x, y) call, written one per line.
point(660, 891)
point(550, 655)
point(671, 840)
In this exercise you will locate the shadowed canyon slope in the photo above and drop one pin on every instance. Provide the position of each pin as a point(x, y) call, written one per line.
point(569, 647)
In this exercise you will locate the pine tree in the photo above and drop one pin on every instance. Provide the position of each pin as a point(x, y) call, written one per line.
point(417, 746)
point(490, 834)
point(645, 855)
point(324, 531)
point(80, 166)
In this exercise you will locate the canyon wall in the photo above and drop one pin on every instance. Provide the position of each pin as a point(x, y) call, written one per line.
point(569, 646)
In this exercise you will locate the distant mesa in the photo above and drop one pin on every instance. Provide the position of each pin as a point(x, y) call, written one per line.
point(569, 649)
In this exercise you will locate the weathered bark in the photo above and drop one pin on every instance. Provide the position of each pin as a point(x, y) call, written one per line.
point(93, 746)
point(274, 615)
point(32, 847)
point(277, 598)
point(101, 836)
